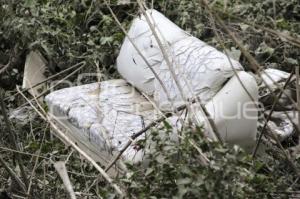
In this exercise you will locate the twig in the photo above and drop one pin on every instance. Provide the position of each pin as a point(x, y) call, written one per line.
point(23, 153)
point(138, 50)
point(276, 98)
point(253, 63)
point(13, 174)
point(4, 67)
point(141, 132)
point(204, 160)
point(134, 136)
point(36, 163)
point(163, 50)
point(286, 154)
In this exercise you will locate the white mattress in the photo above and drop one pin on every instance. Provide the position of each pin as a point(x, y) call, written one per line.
point(103, 115)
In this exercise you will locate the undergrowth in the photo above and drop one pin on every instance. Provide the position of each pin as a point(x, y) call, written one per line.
point(72, 31)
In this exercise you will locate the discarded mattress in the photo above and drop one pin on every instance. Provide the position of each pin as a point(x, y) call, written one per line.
point(234, 110)
point(200, 69)
point(103, 115)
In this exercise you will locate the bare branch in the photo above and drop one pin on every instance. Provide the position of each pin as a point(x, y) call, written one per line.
point(13, 174)
point(4, 67)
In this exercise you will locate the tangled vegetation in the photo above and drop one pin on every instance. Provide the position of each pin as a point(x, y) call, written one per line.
point(73, 31)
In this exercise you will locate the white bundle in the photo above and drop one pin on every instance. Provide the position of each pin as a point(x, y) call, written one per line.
point(195, 69)
point(200, 69)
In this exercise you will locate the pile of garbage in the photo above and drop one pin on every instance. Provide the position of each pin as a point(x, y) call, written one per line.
point(164, 69)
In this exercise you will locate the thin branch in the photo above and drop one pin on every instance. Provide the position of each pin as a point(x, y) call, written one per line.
point(141, 132)
point(276, 98)
point(13, 174)
point(134, 136)
point(256, 67)
point(23, 153)
point(4, 67)
point(36, 163)
point(138, 50)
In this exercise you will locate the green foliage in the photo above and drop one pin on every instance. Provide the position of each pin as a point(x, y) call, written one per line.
point(176, 171)
point(66, 32)
point(280, 15)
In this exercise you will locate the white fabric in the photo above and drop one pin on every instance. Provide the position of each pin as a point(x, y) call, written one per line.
point(200, 68)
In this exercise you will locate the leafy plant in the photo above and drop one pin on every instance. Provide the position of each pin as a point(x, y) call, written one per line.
point(176, 170)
